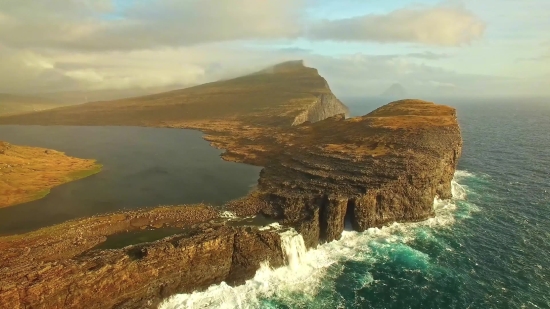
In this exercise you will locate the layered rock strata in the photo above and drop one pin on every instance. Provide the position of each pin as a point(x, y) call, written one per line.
point(387, 166)
point(55, 268)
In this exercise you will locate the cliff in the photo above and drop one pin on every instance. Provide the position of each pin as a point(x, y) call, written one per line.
point(57, 268)
point(387, 166)
point(320, 169)
point(325, 106)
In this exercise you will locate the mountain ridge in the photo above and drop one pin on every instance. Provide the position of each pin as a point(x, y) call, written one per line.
point(276, 95)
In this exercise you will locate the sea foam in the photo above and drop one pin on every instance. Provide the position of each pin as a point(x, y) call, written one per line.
point(299, 281)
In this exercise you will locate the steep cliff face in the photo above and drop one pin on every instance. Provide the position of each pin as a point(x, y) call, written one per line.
point(326, 106)
point(385, 167)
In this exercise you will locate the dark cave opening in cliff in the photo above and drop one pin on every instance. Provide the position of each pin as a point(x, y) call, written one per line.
point(348, 218)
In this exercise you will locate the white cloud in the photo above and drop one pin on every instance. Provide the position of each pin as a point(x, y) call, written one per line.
point(348, 75)
point(33, 71)
point(97, 25)
point(88, 44)
point(447, 26)
point(91, 25)
point(364, 75)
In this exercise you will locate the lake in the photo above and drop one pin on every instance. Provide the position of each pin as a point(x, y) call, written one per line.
point(142, 167)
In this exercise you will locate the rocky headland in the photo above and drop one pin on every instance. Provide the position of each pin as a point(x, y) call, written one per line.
point(321, 171)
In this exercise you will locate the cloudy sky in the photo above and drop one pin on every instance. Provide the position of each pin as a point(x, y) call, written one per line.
point(462, 47)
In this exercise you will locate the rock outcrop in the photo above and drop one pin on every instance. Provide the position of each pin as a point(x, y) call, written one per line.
point(57, 268)
point(387, 166)
point(326, 106)
point(320, 175)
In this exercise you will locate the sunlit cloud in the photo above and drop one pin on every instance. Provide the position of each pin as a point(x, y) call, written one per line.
point(436, 26)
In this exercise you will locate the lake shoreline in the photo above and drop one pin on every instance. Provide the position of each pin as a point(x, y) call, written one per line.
point(28, 173)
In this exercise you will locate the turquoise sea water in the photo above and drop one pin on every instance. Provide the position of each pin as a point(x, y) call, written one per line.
point(488, 247)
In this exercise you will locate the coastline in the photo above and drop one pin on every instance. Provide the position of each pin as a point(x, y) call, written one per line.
point(63, 258)
point(321, 172)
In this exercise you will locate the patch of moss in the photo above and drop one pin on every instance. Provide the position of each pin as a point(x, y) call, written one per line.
point(40, 194)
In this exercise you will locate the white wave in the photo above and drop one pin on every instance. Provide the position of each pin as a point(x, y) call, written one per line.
point(296, 276)
point(461, 174)
point(458, 191)
point(306, 270)
point(272, 226)
point(228, 215)
point(294, 248)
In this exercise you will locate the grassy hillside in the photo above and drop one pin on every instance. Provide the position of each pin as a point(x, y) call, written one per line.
point(15, 104)
point(271, 96)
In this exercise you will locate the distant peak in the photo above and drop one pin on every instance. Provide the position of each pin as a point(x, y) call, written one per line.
point(395, 90)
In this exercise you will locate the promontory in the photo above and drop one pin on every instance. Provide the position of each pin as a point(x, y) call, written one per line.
point(321, 171)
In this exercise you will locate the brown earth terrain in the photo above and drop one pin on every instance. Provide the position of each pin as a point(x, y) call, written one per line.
point(320, 170)
point(28, 173)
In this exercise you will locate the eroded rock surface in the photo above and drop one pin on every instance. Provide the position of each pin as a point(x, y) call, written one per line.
point(384, 167)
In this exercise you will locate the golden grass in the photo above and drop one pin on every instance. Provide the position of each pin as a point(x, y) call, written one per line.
point(9, 109)
point(410, 114)
point(411, 122)
point(28, 173)
point(268, 98)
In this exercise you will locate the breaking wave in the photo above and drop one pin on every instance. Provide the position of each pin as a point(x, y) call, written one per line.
point(307, 272)
point(228, 215)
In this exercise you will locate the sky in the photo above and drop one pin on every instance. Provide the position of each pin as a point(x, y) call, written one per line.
point(430, 47)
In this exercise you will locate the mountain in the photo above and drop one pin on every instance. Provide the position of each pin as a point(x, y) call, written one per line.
point(85, 96)
point(396, 91)
point(288, 93)
point(14, 104)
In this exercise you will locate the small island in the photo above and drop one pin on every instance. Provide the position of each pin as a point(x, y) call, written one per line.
point(321, 172)
point(28, 173)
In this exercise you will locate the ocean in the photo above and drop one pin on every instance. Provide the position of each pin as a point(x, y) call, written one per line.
point(488, 247)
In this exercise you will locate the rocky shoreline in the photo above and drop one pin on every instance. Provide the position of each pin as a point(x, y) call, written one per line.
point(320, 170)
